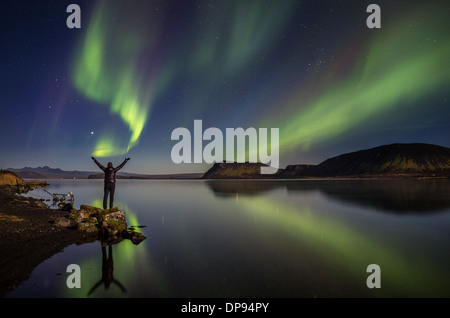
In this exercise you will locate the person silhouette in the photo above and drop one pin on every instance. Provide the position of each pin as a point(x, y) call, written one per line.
point(107, 271)
point(110, 181)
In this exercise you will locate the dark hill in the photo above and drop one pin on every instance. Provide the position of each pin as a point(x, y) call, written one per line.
point(225, 170)
point(292, 171)
point(26, 174)
point(390, 160)
point(396, 160)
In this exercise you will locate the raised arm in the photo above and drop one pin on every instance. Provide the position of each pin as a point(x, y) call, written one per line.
point(98, 164)
point(122, 164)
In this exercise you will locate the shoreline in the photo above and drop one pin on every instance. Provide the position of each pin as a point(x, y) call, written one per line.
point(339, 178)
point(28, 237)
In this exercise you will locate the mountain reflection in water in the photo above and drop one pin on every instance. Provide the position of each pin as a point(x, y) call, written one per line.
point(392, 196)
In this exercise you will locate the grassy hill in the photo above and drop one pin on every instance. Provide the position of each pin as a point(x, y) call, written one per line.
point(10, 178)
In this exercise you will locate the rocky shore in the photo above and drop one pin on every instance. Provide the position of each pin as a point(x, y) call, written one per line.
point(31, 232)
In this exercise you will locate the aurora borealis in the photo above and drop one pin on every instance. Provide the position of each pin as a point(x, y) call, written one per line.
point(137, 70)
point(114, 79)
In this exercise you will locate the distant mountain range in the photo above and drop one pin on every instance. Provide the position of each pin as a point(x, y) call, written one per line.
point(396, 160)
point(56, 173)
point(49, 173)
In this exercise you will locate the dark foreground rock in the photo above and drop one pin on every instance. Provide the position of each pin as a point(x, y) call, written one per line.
point(27, 238)
point(30, 233)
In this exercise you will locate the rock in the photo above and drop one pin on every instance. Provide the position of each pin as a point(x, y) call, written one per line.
point(114, 223)
point(134, 237)
point(42, 205)
point(80, 216)
point(87, 227)
point(90, 209)
point(64, 222)
point(65, 206)
point(137, 238)
point(111, 224)
point(118, 216)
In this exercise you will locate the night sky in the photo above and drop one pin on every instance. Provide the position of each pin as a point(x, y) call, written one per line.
point(136, 70)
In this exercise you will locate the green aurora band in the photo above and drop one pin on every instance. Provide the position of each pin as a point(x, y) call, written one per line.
point(399, 66)
point(106, 71)
point(106, 66)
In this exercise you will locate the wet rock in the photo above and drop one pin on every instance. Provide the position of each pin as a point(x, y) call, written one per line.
point(87, 227)
point(108, 223)
point(85, 222)
point(64, 222)
point(134, 237)
point(111, 224)
point(117, 219)
point(90, 209)
point(137, 238)
point(80, 216)
point(114, 223)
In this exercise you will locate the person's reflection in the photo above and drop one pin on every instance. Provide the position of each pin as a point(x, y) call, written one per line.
point(107, 271)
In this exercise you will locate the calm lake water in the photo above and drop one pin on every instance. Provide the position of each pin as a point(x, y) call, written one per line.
point(272, 239)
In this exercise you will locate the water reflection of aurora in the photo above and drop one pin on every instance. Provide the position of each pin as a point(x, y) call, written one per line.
point(278, 227)
point(350, 250)
point(123, 253)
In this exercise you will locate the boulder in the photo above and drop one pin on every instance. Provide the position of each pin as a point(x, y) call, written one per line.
point(116, 221)
point(64, 222)
point(87, 227)
point(134, 237)
point(81, 216)
point(111, 224)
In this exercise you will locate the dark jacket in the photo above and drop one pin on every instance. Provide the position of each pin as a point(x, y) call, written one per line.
point(110, 172)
